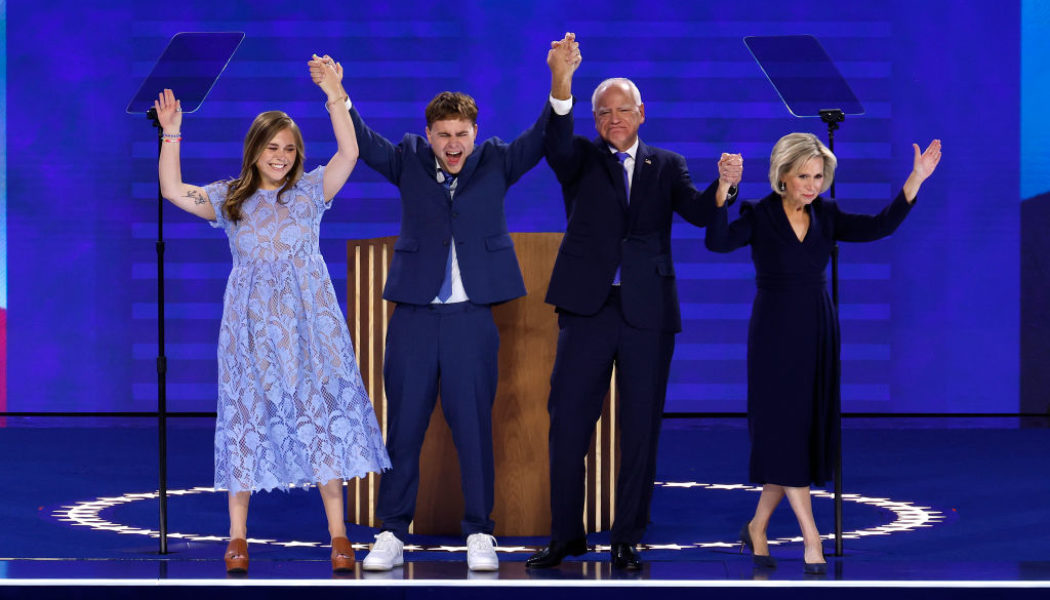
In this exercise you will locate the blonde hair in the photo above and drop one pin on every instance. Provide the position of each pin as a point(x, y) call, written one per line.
point(792, 151)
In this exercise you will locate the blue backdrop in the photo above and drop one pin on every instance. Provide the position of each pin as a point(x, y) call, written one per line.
point(930, 317)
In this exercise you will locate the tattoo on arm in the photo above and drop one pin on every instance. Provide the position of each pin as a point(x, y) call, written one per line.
point(197, 197)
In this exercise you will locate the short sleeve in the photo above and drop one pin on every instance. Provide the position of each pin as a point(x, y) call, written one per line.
point(312, 186)
point(217, 196)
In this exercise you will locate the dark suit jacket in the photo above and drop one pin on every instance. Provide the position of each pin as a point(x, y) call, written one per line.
point(475, 218)
point(604, 231)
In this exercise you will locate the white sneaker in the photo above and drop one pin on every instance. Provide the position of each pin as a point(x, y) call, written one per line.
point(481, 552)
point(387, 553)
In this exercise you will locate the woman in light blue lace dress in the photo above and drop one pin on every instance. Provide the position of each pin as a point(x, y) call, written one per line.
point(292, 409)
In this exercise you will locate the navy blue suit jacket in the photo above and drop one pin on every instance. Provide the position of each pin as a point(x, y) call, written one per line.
point(605, 231)
point(430, 219)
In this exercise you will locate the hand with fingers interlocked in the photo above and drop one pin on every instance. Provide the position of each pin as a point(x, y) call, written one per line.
point(328, 75)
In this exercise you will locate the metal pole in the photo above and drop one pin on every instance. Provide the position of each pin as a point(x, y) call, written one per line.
point(162, 361)
point(833, 118)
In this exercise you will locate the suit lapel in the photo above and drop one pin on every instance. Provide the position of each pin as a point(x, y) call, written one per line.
point(429, 163)
point(643, 168)
point(640, 180)
point(469, 166)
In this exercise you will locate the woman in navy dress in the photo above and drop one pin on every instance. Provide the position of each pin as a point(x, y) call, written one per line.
point(793, 338)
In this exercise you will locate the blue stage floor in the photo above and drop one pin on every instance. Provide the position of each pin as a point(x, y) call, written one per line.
point(933, 505)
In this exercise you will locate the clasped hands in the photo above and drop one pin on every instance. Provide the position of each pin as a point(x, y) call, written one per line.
point(564, 56)
point(730, 169)
point(328, 75)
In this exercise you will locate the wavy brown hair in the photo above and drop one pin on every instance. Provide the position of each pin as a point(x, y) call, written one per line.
point(451, 105)
point(263, 129)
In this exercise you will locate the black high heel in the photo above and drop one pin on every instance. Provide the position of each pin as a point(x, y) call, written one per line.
point(764, 561)
point(815, 568)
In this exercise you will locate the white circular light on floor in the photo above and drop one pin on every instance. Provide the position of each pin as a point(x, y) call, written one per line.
point(908, 516)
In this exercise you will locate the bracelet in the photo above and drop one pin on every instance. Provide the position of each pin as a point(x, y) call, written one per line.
point(172, 140)
point(171, 135)
point(337, 100)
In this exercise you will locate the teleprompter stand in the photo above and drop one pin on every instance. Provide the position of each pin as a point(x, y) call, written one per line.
point(190, 65)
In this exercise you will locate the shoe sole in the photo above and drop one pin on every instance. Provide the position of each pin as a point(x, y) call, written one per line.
point(368, 567)
point(381, 567)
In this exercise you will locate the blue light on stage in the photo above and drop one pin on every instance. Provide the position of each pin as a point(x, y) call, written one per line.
point(939, 297)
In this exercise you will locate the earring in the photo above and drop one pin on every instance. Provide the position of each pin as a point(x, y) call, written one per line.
point(781, 186)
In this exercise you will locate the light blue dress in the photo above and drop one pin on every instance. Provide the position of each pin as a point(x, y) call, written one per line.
point(292, 407)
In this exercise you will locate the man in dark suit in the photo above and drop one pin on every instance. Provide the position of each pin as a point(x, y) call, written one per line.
point(453, 260)
point(614, 288)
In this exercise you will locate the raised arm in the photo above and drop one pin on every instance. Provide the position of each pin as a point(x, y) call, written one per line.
point(328, 75)
point(723, 236)
point(922, 167)
point(528, 148)
point(375, 150)
point(699, 207)
point(865, 228)
point(563, 59)
point(189, 198)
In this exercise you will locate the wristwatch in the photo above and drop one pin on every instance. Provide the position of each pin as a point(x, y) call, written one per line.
point(731, 195)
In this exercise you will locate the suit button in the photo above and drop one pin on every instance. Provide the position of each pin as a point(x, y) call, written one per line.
point(455, 214)
point(444, 243)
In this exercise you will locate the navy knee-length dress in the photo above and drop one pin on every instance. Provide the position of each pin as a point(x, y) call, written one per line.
point(793, 338)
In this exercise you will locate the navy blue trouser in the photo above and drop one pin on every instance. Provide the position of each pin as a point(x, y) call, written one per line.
point(587, 349)
point(454, 349)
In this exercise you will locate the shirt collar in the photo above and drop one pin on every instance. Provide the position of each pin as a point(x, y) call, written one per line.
point(632, 151)
point(440, 173)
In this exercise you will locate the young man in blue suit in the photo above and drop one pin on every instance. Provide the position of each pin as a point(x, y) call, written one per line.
point(453, 260)
point(614, 288)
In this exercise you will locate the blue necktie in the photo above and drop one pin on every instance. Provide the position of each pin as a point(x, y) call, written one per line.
point(622, 157)
point(446, 285)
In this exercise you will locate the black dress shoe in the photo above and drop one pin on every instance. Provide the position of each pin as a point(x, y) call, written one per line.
point(624, 556)
point(552, 555)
